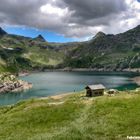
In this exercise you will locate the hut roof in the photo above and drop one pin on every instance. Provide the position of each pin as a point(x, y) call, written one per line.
point(96, 87)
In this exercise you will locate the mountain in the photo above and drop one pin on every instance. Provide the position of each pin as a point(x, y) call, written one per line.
point(40, 38)
point(2, 32)
point(108, 52)
point(102, 52)
point(99, 35)
point(19, 53)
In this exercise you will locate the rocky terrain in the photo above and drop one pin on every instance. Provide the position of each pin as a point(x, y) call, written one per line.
point(9, 83)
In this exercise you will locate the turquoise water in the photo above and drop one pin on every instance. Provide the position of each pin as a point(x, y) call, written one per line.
point(52, 83)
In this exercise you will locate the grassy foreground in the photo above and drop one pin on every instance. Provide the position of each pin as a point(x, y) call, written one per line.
point(72, 117)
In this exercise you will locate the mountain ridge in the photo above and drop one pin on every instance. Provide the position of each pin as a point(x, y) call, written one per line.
point(102, 52)
point(99, 34)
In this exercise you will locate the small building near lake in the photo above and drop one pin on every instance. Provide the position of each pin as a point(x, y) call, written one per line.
point(95, 90)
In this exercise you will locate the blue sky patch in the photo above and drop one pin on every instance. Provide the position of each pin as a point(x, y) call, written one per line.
point(32, 32)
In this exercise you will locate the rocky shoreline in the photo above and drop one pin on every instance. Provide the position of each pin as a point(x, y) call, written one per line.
point(90, 69)
point(9, 84)
point(22, 74)
point(137, 80)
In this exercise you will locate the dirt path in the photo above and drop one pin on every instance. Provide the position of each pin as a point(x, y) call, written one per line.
point(77, 124)
point(56, 97)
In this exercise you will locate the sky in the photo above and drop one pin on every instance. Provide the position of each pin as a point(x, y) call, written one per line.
point(68, 20)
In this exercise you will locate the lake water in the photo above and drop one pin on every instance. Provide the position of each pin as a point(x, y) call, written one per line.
point(53, 83)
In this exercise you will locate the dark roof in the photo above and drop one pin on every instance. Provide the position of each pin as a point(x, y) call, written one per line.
point(96, 87)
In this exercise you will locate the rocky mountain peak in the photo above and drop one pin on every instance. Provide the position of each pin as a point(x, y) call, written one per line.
point(40, 38)
point(97, 36)
point(2, 32)
point(100, 34)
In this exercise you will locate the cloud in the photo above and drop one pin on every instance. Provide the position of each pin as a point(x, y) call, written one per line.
point(94, 9)
point(72, 18)
point(53, 10)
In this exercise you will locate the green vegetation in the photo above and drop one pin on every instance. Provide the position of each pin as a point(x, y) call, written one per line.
point(43, 57)
point(72, 117)
point(7, 78)
point(20, 53)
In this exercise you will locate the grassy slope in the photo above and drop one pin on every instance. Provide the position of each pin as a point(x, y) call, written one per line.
point(73, 118)
point(32, 54)
point(43, 57)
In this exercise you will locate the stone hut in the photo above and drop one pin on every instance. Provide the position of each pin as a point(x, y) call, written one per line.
point(95, 90)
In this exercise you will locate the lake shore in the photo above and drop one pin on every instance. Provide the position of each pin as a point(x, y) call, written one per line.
point(137, 70)
point(10, 84)
point(24, 86)
point(21, 74)
point(68, 69)
point(14, 87)
point(58, 96)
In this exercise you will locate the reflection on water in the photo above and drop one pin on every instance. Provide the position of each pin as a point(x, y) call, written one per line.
point(52, 83)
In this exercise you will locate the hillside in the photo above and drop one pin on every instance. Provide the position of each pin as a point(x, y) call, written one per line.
point(18, 53)
point(108, 51)
point(104, 52)
point(72, 117)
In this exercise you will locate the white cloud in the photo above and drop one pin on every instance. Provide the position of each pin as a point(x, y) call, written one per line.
point(53, 10)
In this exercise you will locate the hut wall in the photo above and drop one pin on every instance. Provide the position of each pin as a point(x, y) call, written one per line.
point(91, 93)
point(98, 92)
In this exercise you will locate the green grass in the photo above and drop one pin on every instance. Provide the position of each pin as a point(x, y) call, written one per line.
point(44, 57)
point(73, 117)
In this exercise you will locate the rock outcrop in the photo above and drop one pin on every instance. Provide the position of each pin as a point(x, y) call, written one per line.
point(9, 83)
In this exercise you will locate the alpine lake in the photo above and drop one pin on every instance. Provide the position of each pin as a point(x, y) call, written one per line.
point(53, 83)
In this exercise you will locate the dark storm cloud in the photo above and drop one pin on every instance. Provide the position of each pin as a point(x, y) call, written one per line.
point(90, 9)
point(19, 12)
